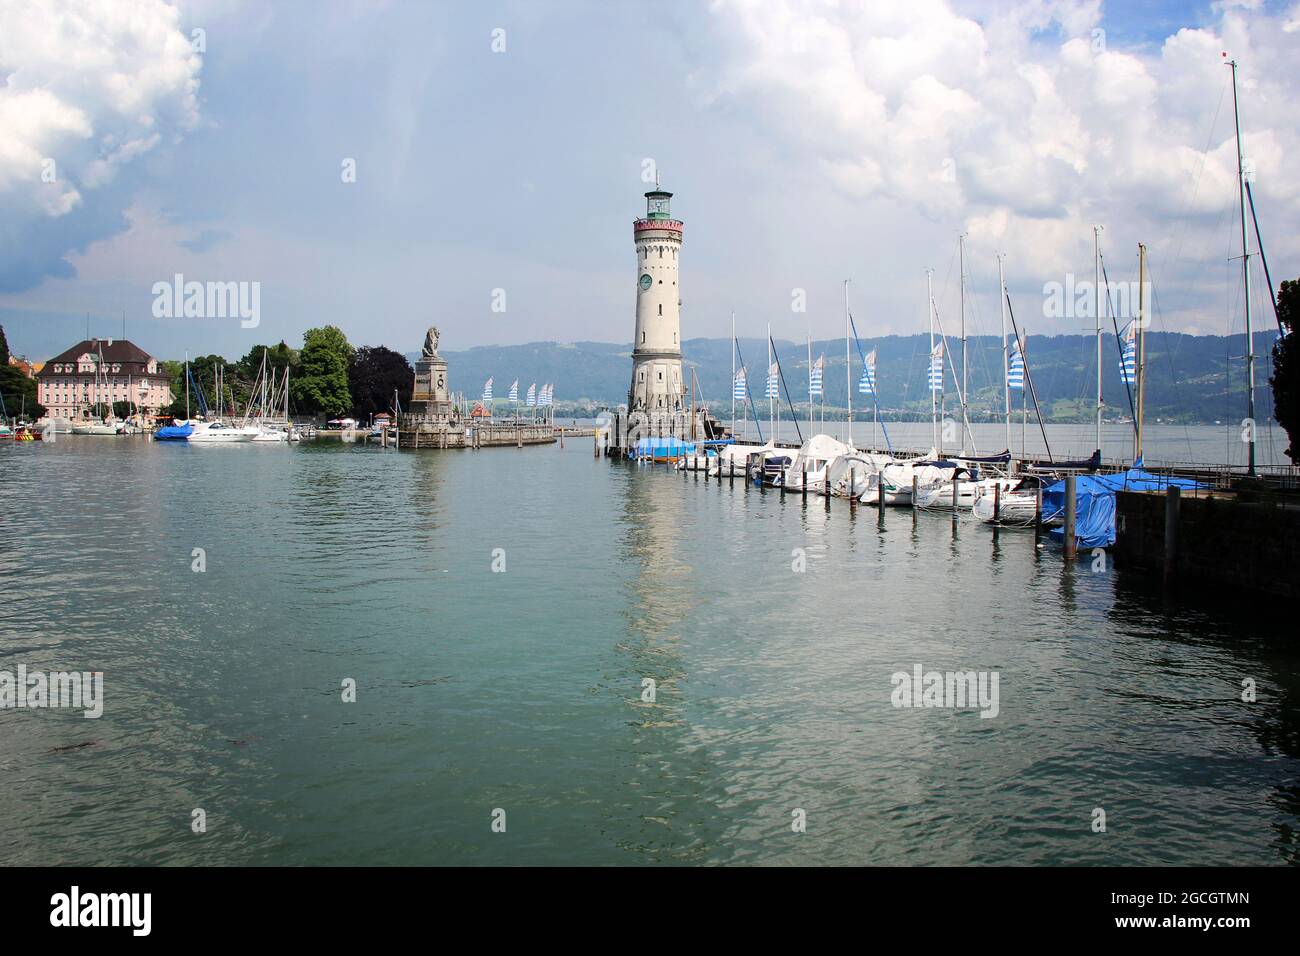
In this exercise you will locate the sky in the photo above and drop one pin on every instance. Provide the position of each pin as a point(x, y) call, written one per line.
point(500, 152)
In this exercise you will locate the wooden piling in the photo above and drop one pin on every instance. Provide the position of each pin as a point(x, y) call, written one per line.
point(915, 484)
point(805, 479)
point(997, 502)
point(1071, 543)
point(853, 480)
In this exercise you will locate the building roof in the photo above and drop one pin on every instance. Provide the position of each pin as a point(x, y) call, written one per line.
point(115, 350)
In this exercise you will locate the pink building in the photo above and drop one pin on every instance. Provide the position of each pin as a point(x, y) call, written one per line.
point(66, 385)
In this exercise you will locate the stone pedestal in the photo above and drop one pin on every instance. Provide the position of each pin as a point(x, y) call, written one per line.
point(431, 399)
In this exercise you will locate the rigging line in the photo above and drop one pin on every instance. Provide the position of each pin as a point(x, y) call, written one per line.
point(1119, 344)
point(749, 393)
point(780, 372)
point(874, 398)
point(1029, 376)
point(1259, 244)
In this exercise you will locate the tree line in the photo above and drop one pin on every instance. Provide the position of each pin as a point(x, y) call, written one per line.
point(328, 376)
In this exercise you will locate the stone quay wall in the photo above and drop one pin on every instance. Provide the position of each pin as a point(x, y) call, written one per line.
point(1219, 541)
point(423, 434)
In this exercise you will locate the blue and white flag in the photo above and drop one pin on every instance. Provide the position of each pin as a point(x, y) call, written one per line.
point(1016, 367)
point(738, 388)
point(487, 390)
point(514, 391)
point(773, 374)
point(532, 395)
point(1128, 363)
point(815, 376)
point(936, 367)
point(867, 383)
point(545, 398)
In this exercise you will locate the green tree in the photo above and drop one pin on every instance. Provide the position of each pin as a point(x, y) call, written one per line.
point(17, 390)
point(374, 375)
point(278, 357)
point(322, 381)
point(1286, 367)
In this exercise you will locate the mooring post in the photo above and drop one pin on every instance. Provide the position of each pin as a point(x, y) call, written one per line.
point(880, 495)
point(915, 489)
point(1071, 545)
point(595, 443)
point(805, 478)
point(1038, 508)
point(1173, 496)
point(997, 502)
point(853, 480)
point(954, 496)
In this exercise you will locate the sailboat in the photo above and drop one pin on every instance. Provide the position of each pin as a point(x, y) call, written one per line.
point(734, 457)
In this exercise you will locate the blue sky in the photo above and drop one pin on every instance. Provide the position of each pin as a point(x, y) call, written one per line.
point(802, 140)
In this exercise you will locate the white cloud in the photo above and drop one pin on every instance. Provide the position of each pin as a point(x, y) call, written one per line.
point(1049, 125)
point(89, 86)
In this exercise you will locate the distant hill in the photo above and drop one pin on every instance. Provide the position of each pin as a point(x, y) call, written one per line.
point(1191, 378)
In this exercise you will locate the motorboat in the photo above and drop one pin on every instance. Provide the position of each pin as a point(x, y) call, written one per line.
point(851, 476)
point(970, 486)
point(1015, 506)
point(808, 465)
point(177, 431)
point(108, 427)
point(219, 433)
point(735, 457)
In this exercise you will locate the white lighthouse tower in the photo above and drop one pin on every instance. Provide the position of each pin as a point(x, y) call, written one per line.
point(657, 391)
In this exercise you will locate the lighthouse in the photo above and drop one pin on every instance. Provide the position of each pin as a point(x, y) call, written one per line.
point(657, 390)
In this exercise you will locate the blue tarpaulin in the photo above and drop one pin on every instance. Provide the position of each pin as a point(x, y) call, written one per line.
point(665, 447)
point(1094, 522)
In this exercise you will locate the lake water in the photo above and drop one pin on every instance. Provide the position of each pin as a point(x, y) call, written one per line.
point(522, 691)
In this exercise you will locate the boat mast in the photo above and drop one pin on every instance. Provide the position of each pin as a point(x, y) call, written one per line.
point(1096, 307)
point(1245, 273)
point(187, 385)
point(810, 395)
point(929, 311)
point(733, 377)
point(1141, 351)
point(961, 281)
point(767, 388)
point(848, 370)
point(1006, 385)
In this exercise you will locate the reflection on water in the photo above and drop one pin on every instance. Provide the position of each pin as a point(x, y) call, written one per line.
point(522, 689)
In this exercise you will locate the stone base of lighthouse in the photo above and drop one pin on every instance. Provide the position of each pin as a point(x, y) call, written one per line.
point(629, 427)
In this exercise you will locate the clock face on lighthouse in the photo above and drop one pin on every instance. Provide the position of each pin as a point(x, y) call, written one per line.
point(645, 281)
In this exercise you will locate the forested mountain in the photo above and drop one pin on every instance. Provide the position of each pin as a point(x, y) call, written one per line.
point(1190, 378)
